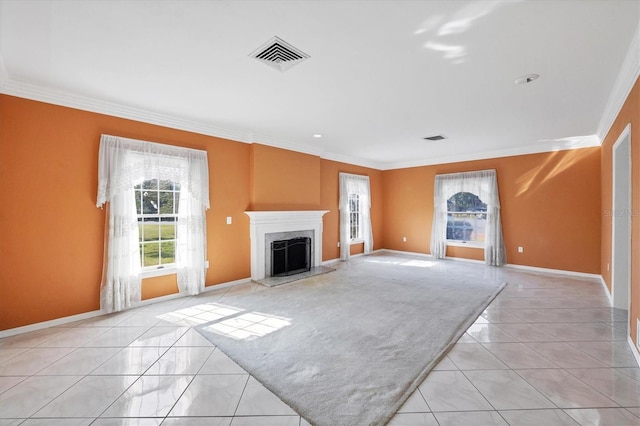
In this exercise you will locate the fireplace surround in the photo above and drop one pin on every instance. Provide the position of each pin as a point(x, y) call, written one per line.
point(268, 226)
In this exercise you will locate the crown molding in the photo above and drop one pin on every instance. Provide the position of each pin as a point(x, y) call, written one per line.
point(623, 85)
point(355, 161)
point(542, 146)
point(627, 77)
point(34, 92)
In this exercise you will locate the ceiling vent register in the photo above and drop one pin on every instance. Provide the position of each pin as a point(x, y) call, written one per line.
point(279, 54)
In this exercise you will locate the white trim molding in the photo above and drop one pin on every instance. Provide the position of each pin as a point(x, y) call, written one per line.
point(58, 322)
point(606, 290)
point(555, 271)
point(268, 222)
point(629, 73)
point(634, 350)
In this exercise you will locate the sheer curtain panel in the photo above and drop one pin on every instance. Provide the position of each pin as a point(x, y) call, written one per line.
point(354, 184)
point(124, 163)
point(482, 183)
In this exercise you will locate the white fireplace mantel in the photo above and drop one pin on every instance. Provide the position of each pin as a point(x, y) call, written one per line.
point(267, 222)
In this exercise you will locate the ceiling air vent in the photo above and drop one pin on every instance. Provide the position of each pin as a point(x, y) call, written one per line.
point(435, 138)
point(279, 54)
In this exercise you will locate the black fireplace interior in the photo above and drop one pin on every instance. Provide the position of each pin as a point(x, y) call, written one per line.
point(290, 257)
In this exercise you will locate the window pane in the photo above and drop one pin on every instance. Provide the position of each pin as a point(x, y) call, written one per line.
point(465, 202)
point(166, 202)
point(150, 184)
point(354, 216)
point(167, 251)
point(156, 200)
point(466, 227)
point(167, 231)
point(138, 195)
point(150, 202)
point(176, 202)
point(140, 230)
point(151, 229)
point(165, 185)
point(151, 254)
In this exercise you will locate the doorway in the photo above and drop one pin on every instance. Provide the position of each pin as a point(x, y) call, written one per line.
point(621, 224)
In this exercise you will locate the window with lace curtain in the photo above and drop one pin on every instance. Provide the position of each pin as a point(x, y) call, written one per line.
point(157, 203)
point(466, 218)
point(355, 228)
point(156, 196)
point(467, 211)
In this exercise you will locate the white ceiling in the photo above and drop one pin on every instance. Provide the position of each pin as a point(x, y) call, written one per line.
point(382, 74)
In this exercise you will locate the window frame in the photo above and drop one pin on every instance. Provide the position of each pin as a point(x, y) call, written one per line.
point(359, 239)
point(451, 213)
point(160, 269)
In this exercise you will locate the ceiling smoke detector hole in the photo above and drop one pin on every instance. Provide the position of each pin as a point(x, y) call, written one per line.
point(525, 79)
point(435, 137)
point(279, 54)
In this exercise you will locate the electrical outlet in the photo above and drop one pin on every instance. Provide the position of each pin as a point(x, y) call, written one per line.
point(404, 239)
point(338, 243)
point(520, 249)
point(229, 220)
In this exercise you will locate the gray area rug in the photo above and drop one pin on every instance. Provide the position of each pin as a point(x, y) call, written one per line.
point(349, 347)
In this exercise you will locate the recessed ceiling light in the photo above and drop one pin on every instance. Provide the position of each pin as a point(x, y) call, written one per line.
point(317, 136)
point(526, 78)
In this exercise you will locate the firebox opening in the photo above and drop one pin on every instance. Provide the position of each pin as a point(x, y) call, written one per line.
point(290, 257)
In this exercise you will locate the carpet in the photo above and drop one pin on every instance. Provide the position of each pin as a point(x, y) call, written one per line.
point(349, 347)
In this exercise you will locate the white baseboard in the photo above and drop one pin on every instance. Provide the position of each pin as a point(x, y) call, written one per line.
point(555, 271)
point(87, 315)
point(336, 260)
point(51, 323)
point(606, 290)
point(227, 284)
point(634, 350)
point(408, 253)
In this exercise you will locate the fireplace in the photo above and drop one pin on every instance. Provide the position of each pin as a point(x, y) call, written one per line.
point(267, 227)
point(290, 257)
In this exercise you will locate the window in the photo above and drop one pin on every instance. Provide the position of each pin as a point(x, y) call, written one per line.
point(157, 209)
point(466, 218)
point(355, 213)
point(144, 233)
point(466, 209)
point(354, 217)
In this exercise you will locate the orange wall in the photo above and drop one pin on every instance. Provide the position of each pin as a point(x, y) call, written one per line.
point(630, 113)
point(550, 206)
point(51, 233)
point(284, 180)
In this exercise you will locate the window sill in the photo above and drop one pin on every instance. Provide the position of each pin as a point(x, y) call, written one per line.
point(353, 242)
point(468, 244)
point(150, 273)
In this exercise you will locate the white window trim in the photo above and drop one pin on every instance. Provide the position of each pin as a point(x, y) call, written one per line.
point(356, 241)
point(154, 271)
point(469, 244)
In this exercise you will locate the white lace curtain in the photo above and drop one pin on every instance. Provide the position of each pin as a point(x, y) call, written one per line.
point(482, 183)
point(124, 163)
point(354, 184)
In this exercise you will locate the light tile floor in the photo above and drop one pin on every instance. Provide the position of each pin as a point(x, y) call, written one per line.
point(549, 350)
